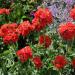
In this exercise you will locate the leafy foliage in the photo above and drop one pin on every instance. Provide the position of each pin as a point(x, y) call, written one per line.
point(10, 63)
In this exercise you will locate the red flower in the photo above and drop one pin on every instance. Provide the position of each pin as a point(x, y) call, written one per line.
point(7, 39)
point(4, 11)
point(28, 51)
point(24, 54)
point(38, 24)
point(7, 11)
point(1, 33)
point(8, 28)
point(12, 26)
point(25, 28)
point(37, 61)
point(59, 62)
point(8, 33)
point(44, 15)
point(45, 40)
point(4, 29)
point(73, 62)
point(14, 37)
point(10, 38)
point(67, 31)
point(72, 13)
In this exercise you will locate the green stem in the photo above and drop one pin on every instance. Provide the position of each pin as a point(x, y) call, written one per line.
point(60, 73)
point(69, 46)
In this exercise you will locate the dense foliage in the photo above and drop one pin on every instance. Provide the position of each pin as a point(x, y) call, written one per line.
point(37, 37)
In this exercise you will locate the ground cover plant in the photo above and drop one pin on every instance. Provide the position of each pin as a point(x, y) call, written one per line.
point(37, 37)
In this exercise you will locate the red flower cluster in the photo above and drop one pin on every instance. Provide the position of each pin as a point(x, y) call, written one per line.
point(59, 62)
point(45, 40)
point(42, 17)
point(37, 61)
point(8, 33)
point(4, 11)
point(25, 28)
point(72, 13)
point(24, 54)
point(67, 31)
point(73, 62)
